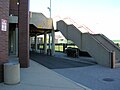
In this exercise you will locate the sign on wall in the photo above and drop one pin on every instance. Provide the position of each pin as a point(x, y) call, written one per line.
point(3, 25)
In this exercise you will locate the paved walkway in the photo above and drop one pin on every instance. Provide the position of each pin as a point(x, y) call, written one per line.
point(38, 77)
point(93, 76)
point(96, 77)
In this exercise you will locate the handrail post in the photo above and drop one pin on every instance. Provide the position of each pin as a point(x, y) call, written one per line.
point(113, 59)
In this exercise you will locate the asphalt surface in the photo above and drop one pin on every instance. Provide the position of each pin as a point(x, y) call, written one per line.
point(93, 76)
point(55, 62)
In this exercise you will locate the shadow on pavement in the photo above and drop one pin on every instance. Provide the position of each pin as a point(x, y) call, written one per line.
point(52, 62)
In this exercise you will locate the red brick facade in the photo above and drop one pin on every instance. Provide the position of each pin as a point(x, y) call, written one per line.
point(22, 8)
point(10, 7)
point(4, 14)
point(24, 33)
point(14, 7)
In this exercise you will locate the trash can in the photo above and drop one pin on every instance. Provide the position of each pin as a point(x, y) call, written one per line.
point(72, 52)
point(11, 73)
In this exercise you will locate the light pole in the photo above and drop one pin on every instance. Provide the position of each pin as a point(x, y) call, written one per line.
point(50, 17)
point(49, 8)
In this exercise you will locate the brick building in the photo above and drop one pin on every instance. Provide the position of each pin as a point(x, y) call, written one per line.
point(17, 25)
point(14, 8)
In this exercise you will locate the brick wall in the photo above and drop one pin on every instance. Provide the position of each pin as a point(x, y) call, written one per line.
point(24, 33)
point(4, 14)
point(14, 7)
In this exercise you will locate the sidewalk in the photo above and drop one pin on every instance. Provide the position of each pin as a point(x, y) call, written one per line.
point(38, 77)
point(96, 77)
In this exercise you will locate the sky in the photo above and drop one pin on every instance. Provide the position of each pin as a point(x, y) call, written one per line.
point(100, 16)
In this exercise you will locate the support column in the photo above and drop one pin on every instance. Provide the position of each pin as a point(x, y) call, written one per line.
point(30, 44)
point(36, 42)
point(4, 22)
point(45, 42)
point(23, 23)
point(49, 41)
point(112, 59)
point(53, 42)
point(16, 30)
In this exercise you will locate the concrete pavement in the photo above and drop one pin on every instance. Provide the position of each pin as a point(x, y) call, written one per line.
point(95, 76)
point(38, 77)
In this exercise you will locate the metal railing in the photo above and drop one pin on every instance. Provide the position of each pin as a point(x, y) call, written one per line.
point(58, 47)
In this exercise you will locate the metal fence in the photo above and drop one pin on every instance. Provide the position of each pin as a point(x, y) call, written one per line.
point(58, 47)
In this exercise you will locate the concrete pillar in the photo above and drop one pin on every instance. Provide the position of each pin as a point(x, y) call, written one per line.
point(23, 23)
point(49, 40)
point(53, 42)
point(36, 42)
point(16, 31)
point(45, 42)
point(30, 44)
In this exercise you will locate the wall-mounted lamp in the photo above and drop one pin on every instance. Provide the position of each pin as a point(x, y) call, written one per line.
point(17, 3)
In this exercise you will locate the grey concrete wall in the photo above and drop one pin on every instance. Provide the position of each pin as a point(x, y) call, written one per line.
point(70, 32)
point(40, 21)
point(109, 44)
point(87, 42)
point(99, 47)
point(75, 35)
point(62, 26)
point(100, 53)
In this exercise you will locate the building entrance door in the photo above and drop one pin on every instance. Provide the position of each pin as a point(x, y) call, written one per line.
point(12, 42)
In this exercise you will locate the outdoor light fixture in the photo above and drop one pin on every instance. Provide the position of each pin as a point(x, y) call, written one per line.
point(17, 3)
point(11, 14)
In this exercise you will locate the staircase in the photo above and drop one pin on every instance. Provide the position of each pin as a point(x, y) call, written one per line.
point(102, 49)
